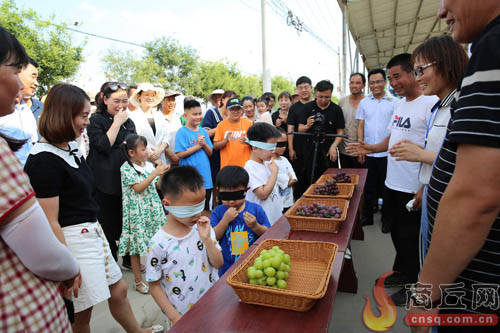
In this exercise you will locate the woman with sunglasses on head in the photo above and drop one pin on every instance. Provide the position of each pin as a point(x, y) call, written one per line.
point(64, 186)
point(108, 128)
point(439, 64)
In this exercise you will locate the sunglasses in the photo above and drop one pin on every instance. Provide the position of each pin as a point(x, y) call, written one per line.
point(419, 70)
point(117, 85)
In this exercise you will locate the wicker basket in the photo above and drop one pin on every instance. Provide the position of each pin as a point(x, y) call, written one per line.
point(318, 224)
point(324, 178)
point(345, 192)
point(311, 267)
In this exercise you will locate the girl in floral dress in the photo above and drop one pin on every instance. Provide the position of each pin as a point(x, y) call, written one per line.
point(143, 213)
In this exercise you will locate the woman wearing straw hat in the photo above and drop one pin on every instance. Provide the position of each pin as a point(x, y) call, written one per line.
point(149, 122)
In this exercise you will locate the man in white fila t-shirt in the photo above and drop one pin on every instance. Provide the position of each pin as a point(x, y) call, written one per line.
point(408, 122)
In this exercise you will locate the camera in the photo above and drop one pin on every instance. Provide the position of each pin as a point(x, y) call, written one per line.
point(319, 119)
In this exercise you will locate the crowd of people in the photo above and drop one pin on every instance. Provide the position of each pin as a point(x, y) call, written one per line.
point(89, 179)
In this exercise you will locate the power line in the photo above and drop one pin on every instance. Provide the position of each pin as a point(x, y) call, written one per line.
point(90, 34)
point(293, 20)
point(104, 37)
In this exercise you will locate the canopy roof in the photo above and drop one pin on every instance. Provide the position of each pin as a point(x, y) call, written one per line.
point(384, 28)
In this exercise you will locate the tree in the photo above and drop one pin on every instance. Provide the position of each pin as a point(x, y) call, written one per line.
point(167, 63)
point(50, 45)
point(280, 84)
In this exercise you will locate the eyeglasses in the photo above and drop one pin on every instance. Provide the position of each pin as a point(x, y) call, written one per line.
point(377, 81)
point(117, 85)
point(419, 70)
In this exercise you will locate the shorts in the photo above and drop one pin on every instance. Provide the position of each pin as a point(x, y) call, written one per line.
point(99, 270)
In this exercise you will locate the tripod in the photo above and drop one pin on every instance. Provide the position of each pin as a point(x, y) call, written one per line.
point(317, 138)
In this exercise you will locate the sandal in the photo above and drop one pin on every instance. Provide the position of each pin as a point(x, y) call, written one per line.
point(142, 287)
point(157, 329)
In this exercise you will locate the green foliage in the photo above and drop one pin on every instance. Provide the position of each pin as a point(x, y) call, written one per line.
point(173, 66)
point(48, 44)
point(280, 84)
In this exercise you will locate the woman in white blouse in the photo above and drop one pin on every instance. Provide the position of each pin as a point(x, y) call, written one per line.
point(149, 122)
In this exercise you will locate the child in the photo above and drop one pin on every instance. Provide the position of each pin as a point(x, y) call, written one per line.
point(142, 210)
point(183, 256)
point(237, 223)
point(230, 136)
point(193, 145)
point(263, 114)
point(286, 175)
point(262, 138)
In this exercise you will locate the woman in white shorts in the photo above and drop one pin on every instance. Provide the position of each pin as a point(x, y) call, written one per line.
point(63, 184)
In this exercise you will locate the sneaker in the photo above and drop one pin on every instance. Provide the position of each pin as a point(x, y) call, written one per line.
point(142, 287)
point(399, 297)
point(395, 280)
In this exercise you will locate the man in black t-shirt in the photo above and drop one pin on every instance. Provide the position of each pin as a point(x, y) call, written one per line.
point(304, 89)
point(463, 195)
point(318, 117)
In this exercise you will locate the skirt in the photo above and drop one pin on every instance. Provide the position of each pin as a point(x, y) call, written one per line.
point(99, 270)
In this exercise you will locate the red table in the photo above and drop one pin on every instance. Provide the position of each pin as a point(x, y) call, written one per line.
point(220, 310)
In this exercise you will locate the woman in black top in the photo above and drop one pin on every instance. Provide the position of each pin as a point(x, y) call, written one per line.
point(64, 185)
point(108, 128)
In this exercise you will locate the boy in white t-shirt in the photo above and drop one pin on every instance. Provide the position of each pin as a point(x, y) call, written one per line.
point(286, 174)
point(183, 256)
point(263, 190)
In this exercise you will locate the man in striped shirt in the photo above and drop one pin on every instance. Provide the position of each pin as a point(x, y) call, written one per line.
point(464, 191)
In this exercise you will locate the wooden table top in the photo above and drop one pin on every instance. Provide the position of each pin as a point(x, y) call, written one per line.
point(220, 309)
point(281, 228)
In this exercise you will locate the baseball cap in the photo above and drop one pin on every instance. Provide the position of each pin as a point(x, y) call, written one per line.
point(233, 103)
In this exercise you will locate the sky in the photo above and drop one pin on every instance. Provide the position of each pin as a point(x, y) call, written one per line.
point(217, 30)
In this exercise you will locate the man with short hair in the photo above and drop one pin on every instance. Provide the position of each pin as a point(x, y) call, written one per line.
point(374, 114)
point(463, 197)
point(22, 124)
point(295, 142)
point(320, 116)
point(29, 78)
point(349, 106)
point(408, 122)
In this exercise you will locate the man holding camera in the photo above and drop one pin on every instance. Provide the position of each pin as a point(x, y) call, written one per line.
point(318, 118)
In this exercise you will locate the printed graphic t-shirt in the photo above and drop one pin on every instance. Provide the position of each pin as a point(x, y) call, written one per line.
point(235, 152)
point(238, 236)
point(409, 122)
point(182, 266)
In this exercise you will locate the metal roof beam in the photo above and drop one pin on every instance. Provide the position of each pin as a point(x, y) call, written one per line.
point(415, 24)
point(373, 26)
point(387, 28)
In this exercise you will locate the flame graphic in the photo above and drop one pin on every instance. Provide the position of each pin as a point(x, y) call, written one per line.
point(385, 305)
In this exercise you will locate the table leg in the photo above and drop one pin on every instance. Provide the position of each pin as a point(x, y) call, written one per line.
point(348, 281)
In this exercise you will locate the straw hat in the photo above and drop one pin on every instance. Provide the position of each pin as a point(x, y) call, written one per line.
point(160, 93)
point(215, 92)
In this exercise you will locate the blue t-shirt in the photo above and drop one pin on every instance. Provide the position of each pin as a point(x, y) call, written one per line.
point(238, 232)
point(187, 138)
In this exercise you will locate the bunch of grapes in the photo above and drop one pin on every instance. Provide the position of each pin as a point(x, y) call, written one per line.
point(329, 188)
point(270, 269)
point(319, 210)
point(341, 177)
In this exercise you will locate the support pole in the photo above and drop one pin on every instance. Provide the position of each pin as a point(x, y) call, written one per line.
point(266, 72)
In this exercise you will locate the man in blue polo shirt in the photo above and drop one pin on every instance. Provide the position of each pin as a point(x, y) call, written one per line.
point(373, 115)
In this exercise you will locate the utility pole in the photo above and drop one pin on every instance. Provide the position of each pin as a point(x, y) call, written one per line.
point(344, 48)
point(266, 72)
